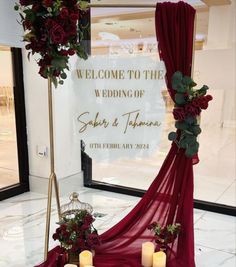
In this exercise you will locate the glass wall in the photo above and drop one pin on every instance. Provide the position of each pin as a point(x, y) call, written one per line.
point(131, 33)
point(9, 173)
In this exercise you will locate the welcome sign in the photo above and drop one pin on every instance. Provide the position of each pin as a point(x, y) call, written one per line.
point(120, 108)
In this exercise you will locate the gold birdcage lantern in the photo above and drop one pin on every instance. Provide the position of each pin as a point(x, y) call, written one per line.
point(75, 206)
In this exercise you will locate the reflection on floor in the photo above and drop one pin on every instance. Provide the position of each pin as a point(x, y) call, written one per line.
point(22, 226)
point(8, 150)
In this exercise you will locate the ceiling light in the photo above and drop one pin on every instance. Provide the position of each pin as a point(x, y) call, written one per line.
point(108, 36)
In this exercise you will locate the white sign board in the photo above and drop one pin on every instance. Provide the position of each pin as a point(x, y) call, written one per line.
point(120, 108)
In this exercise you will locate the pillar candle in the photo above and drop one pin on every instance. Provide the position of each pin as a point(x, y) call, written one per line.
point(85, 258)
point(70, 265)
point(147, 252)
point(159, 259)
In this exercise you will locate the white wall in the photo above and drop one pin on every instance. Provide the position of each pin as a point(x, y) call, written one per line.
point(215, 65)
point(67, 145)
point(10, 30)
point(216, 68)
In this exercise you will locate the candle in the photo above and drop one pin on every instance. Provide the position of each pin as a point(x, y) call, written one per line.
point(147, 252)
point(85, 258)
point(70, 265)
point(159, 259)
point(88, 266)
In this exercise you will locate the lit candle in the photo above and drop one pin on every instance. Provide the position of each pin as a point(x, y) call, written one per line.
point(147, 252)
point(159, 259)
point(70, 265)
point(85, 258)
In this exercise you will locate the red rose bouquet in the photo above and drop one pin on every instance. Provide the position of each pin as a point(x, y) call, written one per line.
point(77, 234)
point(164, 235)
point(189, 102)
point(51, 30)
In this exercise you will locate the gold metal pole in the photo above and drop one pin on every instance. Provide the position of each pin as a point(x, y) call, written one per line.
point(123, 5)
point(52, 177)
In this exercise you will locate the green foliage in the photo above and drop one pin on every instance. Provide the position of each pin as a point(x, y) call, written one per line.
point(180, 99)
point(172, 136)
point(186, 121)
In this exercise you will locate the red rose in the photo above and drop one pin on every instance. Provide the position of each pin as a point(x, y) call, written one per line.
point(71, 52)
point(26, 2)
point(42, 72)
point(64, 13)
point(80, 242)
point(56, 73)
point(36, 7)
point(63, 52)
point(192, 110)
point(27, 24)
point(57, 34)
point(49, 23)
point(209, 98)
point(74, 16)
point(63, 227)
point(88, 219)
point(74, 227)
point(179, 114)
point(202, 101)
point(93, 239)
point(55, 236)
point(85, 227)
point(47, 3)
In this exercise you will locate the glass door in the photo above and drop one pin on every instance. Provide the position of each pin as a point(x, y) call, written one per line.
point(13, 149)
point(130, 33)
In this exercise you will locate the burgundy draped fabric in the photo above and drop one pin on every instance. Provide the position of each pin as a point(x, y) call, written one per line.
point(174, 30)
point(169, 199)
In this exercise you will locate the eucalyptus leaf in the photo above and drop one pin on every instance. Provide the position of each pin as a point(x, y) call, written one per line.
point(191, 140)
point(196, 130)
point(54, 81)
point(187, 80)
point(191, 120)
point(81, 52)
point(192, 150)
point(176, 79)
point(172, 136)
point(63, 76)
point(181, 88)
point(183, 143)
point(181, 125)
point(59, 62)
point(179, 99)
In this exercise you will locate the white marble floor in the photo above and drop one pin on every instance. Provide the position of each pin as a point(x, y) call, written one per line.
point(22, 226)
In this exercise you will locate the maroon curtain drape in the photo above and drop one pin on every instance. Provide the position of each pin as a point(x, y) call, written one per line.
point(169, 199)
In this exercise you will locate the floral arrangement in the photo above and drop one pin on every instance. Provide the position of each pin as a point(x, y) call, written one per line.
point(77, 233)
point(189, 102)
point(51, 30)
point(165, 235)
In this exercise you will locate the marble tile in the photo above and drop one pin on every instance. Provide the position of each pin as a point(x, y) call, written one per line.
point(198, 215)
point(216, 231)
point(22, 228)
point(229, 196)
point(208, 257)
point(212, 191)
